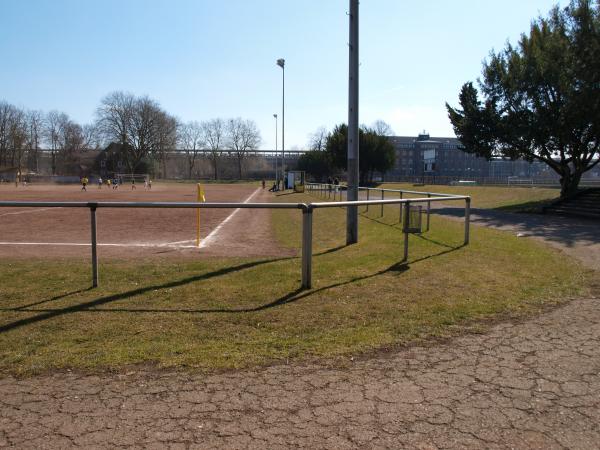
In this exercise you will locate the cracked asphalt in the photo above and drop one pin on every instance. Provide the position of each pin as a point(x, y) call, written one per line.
point(533, 384)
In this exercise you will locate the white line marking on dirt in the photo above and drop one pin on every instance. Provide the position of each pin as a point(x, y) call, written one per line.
point(180, 242)
point(207, 240)
point(29, 211)
point(77, 244)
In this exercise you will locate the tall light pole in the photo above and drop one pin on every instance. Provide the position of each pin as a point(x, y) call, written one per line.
point(281, 63)
point(276, 155)
point(353, 178)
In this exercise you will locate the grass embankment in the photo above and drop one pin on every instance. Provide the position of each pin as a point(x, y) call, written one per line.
point(506, 198)
point(214, 314)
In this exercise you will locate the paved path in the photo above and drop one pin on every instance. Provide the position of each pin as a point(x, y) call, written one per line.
point(578, 237)
point(534, 384)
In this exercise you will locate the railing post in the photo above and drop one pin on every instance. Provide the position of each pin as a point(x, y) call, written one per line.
point(428, 211)
point(467, 219)
point(368, 190)
point(307, 214)
point(94, 245)
point(400, 204)
point(382, 198)
point(405, 229)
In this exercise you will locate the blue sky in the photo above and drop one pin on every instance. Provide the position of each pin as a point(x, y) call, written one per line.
point(203, 59)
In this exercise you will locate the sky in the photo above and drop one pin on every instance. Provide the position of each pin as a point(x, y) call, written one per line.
point(202, 59)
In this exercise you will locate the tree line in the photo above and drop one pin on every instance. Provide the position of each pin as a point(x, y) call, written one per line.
point(328, 152)
point(141, 128)
point(23, 134)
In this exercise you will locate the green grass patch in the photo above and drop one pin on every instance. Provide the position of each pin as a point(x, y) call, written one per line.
point(507, 198)
point(215, 314)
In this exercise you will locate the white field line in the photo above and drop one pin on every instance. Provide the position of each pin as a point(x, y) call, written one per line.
point(77, 244)
point(208, 239)
point(28, 211)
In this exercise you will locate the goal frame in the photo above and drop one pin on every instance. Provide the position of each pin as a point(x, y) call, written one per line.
point(127, 177)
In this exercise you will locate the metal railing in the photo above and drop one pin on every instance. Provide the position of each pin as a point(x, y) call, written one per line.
point(326, 190)
point(307, 219)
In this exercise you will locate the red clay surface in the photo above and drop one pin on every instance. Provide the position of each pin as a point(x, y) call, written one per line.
point(131, 233)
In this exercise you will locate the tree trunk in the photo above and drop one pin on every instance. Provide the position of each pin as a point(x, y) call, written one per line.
point(215, 169)
point(569, 184)
point(240, 167)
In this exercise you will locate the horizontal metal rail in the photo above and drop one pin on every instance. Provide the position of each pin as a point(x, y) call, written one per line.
point(404, 191)
point(192, 205)
point(383, 202)
point(307, 222)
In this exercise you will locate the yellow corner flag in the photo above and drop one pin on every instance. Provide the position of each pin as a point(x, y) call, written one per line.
point(201, 199)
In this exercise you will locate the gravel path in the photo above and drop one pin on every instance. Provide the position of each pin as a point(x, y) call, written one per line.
point(534, 384)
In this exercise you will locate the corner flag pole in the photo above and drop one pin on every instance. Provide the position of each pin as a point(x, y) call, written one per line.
point(201, 199)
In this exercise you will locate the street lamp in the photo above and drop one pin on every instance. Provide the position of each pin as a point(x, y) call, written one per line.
point(276, 156)
point(281, 63)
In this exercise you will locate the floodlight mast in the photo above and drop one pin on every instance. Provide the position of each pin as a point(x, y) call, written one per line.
point(353, 133)
point(281, 63)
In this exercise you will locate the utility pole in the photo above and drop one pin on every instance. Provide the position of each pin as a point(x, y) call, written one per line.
point(353, 134)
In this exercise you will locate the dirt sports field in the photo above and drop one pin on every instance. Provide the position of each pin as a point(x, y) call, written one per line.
point(135, 233)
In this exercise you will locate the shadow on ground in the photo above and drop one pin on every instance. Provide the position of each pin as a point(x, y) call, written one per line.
point(290, 297)
point(566, 231)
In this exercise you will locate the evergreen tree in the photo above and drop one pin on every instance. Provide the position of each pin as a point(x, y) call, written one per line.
point(541, 99)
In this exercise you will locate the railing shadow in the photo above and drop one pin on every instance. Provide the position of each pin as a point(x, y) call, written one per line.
point(58, 297)
point(291, 297)
point(51, 313)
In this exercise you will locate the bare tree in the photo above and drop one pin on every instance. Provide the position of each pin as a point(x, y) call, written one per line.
point(242, 136)
point(35, 129)
point(52, 131)
point(214, 136)
point(17, 138)
point(382, 128)
point(166, 138)
point(139, 124)
point(6, 111)
point(318, 139)
point(191, 139)
point(12, 134)
point(142, 132)
point(92, 136)
point(71, 143)
point(114, 116)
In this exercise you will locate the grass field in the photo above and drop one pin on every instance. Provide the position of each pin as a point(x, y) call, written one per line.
point(489, 196)
point(238, 312)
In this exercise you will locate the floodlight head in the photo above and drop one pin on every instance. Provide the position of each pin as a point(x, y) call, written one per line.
point(281, 62)
point(275, 115)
